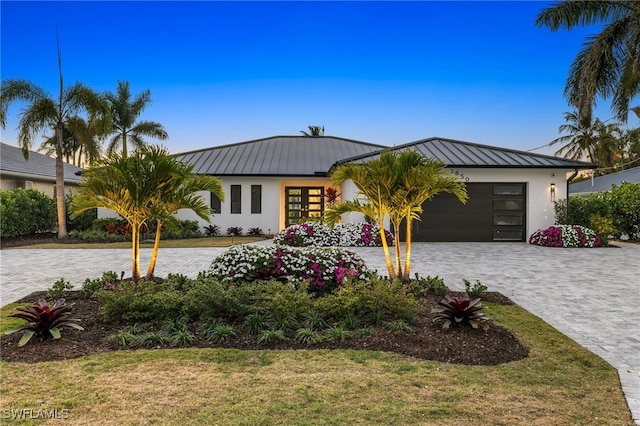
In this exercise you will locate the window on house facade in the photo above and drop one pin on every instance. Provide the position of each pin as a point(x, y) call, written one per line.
point(216, 204)
point(236, 199)
point(256, 198)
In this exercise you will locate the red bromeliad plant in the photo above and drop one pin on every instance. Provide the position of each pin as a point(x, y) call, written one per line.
point(44, 321)
point(460, 310)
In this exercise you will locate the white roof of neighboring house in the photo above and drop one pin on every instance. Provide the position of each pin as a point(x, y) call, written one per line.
point(604, 183)
point(37, 167)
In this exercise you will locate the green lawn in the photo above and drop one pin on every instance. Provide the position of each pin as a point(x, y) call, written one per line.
point(561, 383)
point(186, 243)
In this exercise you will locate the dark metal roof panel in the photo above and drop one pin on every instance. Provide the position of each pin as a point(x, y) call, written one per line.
point(454, 153)
point(279, 155)
point(36, 166)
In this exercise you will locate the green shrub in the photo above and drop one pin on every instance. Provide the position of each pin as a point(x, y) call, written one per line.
point(81, 223)
point(421, 286)
point(145, 300)
point(391, 299)
point(26, 212)
point(90, 286)
point(603, 227)
point(59, 289)
point(210, 298)
point(474, 290)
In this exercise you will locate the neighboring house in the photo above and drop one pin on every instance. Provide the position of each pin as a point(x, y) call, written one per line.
point(604, 183)
point(274, 182)
point(38, 171)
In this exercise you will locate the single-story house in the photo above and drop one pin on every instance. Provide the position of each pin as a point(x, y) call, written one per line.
point(38, 171)
point(604, 183)
point(274, 182)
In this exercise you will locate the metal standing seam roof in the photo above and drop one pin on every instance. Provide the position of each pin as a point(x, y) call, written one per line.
point(604, 183)
point(38, 166)
point(454, 153)
point(276, 156)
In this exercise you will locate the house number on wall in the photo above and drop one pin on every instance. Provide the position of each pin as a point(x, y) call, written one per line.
point(460, 175)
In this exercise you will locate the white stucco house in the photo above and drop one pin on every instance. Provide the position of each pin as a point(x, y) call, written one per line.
point(37, 171)
point(273, 182)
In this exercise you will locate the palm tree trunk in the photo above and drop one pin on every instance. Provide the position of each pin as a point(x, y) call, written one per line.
point(154, 253)
point(387, 255)
point(407, 251)
point(62, 217)
point(124, 144)
point(135, 251)
point(396, 233)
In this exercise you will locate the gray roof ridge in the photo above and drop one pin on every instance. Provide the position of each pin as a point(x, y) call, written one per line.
point(276, 137)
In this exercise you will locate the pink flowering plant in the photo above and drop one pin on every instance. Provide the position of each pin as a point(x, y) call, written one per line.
point(323, 268)
point(566, 236)
point(318, 234)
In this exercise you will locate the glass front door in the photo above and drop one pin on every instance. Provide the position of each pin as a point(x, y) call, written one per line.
point(303, 203)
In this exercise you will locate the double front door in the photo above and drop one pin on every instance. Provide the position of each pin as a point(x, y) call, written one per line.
point(303, 203)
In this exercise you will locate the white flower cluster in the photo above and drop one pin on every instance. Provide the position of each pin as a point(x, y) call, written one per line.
point(317, 234)
point(321, 266)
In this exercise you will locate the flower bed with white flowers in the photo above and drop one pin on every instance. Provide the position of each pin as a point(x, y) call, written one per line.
point(566, 236)
point(318, 234)
point(324, 268)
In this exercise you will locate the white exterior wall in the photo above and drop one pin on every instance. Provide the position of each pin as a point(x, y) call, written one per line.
point(540, 208)
point(272, 218)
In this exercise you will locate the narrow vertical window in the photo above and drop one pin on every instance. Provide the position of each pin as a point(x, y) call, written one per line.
point(216, 205)
point(236, 199)
point(256, 198)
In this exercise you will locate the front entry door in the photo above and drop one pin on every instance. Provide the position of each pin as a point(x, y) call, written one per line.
point(302, 203)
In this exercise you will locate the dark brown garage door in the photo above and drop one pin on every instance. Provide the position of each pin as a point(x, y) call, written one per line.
point(494, 212)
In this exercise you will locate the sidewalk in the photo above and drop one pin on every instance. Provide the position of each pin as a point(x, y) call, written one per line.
point(591, 295)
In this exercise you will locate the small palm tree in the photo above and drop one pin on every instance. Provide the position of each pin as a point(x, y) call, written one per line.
point(314, 131)
point(43, 112)
point(581, 138)
point(81, 142)
point(608, 65)
point(178, 189)
point(125, 112)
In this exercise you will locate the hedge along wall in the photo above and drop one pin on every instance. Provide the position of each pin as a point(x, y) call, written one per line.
point(26, 212)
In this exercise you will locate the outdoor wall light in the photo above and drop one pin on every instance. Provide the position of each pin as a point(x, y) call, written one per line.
point(552, 190)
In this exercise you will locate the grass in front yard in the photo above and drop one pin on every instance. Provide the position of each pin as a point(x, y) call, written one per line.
point(561, 383)
point(186, 243)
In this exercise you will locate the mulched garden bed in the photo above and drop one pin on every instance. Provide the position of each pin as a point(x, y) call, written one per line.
point(459, 345)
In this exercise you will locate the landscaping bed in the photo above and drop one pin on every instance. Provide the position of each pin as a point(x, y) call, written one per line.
point(426, 340)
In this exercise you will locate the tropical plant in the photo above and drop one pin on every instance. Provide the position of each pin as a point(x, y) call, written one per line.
point(124, 112)
point(460, 311)
point(474, 290)
point(26, 212)
point(314, 131)
point(234, 231)
point(211, 230)
point(608, 65)
point(81, 141)
point(59, 289)
point(44, 321)
point(395, 185)
point(565, 236)
point(585, 137)
point(44, 111)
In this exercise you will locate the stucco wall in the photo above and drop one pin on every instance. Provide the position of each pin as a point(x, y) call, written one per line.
point(540, 208)
point(8, 183)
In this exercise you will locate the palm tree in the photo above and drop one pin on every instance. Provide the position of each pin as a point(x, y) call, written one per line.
point(582, 138)
point(609, 64)
point(314, 131)
point(125, 112)
point(48, 112)
point(81, 142)
point(396, 184)
point(177, 189)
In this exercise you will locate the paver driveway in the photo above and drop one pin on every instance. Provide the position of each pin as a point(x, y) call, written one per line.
point(591, 295)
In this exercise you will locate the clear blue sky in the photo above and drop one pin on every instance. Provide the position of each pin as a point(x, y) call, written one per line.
point(381, 72)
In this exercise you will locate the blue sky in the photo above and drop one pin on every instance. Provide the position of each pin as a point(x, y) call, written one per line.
point(381, 72)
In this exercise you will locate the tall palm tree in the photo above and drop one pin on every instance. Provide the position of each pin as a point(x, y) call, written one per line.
point(313, 131)
point(609, 63)
point(125, 111)
point(178, 188)
point(44, 111)
point(81, 142)
point(581, 138)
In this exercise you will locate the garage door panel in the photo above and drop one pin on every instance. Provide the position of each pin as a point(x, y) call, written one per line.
point(494, 212)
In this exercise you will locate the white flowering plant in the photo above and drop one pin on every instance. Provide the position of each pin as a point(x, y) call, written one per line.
point(318, 234)
point(324, 268)
point(565, 236)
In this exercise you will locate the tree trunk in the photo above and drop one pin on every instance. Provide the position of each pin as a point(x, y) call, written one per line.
point(154, 253)
point(387, 255)
point(407, 251)
point(135, 251)
point(62, 217)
